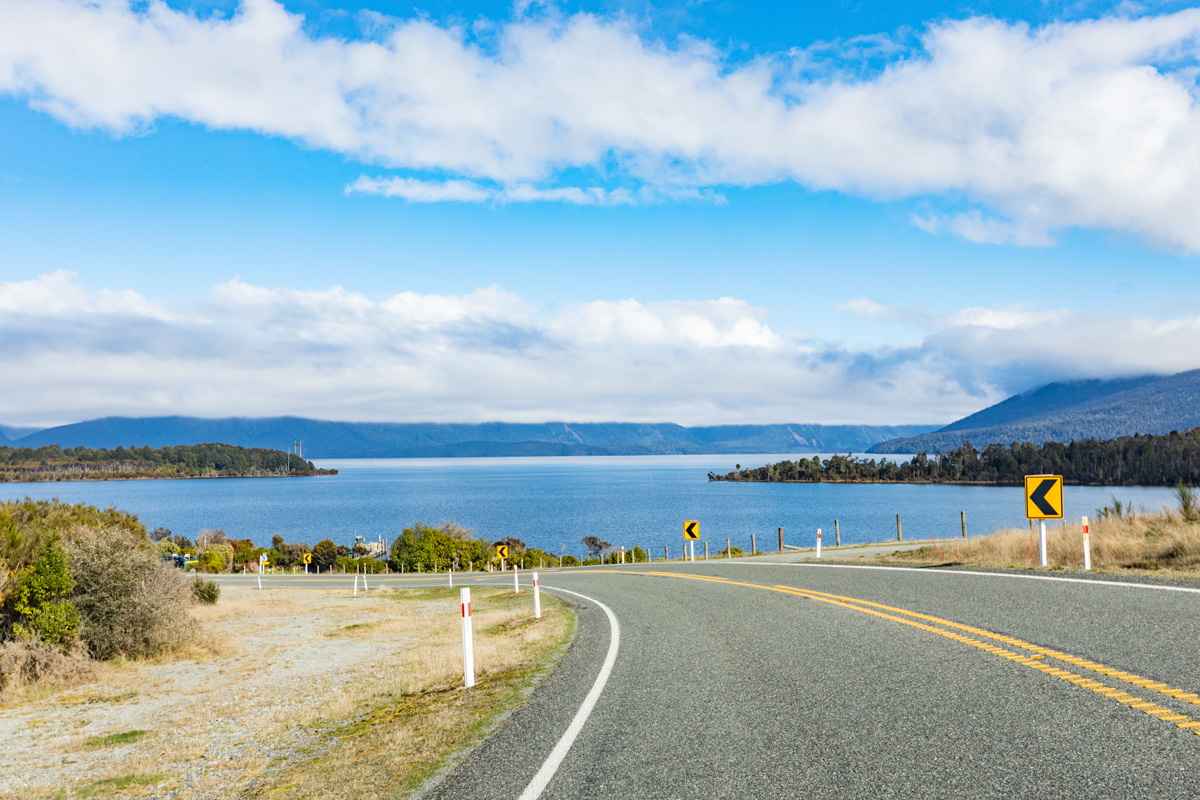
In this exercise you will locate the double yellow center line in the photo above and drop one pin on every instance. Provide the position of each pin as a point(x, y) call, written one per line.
point(1021, 652)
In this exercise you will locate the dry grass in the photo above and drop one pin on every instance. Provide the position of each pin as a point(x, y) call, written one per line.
point(389, 737)
point(1148, 542)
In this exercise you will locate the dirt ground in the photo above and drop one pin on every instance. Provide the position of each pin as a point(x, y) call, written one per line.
point(211, 723)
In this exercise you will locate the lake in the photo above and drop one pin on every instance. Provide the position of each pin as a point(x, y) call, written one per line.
point(552, 503)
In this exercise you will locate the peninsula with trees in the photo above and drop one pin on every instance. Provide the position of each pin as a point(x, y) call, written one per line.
point(1165, 460)
point(53, 463)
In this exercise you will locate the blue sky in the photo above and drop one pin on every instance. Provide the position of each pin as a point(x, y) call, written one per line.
point(700, 212)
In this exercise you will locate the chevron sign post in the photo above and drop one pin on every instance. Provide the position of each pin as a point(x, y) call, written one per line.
point(1043, 501)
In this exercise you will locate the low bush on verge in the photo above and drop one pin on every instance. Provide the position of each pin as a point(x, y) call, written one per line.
point(26, 661)
point(204, 591)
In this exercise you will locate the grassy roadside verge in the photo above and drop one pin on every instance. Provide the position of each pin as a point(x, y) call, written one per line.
point(1162, 543)
point(384, 745)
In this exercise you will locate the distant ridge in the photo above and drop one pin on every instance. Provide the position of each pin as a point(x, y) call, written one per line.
point(325, 439)
point(1066, 411)
point(9, 433)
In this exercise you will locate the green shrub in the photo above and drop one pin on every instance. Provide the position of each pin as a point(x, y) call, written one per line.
point(425, 549)
point(570, 561)
point(372, 566)
point(325, 554)
point(129, 602)
point(737, 551)
point(216, 558)
point(23, 527)
point(204, 591)
point(42, 598)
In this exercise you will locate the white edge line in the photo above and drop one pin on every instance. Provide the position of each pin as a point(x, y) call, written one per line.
point(555, 759)
point(927, 571)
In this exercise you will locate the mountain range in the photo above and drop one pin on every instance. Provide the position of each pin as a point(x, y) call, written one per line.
point(325, 439)
point(1066, 411)
point(1063, 411)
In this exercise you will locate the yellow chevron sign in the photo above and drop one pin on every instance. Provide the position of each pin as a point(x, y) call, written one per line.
point(1043, 497)
point(691, 530)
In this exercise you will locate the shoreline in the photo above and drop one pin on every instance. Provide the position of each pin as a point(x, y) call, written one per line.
point(88, 479)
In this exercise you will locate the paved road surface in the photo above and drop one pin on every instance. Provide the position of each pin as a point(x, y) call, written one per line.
point(758, 679)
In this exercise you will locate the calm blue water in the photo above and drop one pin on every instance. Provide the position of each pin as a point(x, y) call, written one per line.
point(553, 502)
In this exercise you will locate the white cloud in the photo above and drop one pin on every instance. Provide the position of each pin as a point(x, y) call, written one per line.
point(1016, 132)
point(418, 191)
point(248, 350)
point(422, 191)
point(58, 295)
point(866, 308)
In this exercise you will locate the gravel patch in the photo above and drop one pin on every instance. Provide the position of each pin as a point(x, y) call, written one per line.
point(214, 723)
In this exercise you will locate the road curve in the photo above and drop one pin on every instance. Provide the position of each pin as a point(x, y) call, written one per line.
point(777, 680)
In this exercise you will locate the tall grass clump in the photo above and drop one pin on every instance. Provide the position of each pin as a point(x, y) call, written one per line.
point(1189, 504)
point(206, 592)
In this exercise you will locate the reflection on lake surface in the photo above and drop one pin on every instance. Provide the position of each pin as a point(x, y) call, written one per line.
point(553, 502)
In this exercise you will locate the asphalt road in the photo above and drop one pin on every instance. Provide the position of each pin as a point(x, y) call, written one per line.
point(779, 680)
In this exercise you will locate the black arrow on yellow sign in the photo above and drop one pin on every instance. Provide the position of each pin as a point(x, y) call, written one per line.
point(1043, 497)
point(1038, 498)
point(691, 530)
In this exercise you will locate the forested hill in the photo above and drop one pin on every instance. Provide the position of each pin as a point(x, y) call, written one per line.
point(324, 439)
point(52, 463)
point(1062, 412)
point(1124, 461)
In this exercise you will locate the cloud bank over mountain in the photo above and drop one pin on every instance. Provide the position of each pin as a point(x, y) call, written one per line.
point(997, 132)
point(74, 353)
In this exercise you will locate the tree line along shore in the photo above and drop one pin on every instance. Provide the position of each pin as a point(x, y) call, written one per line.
point(418, 548)
point(1150, 460)
point(214, 460)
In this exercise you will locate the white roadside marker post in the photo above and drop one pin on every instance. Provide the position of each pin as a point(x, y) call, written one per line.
point(818, 542)
point(468, 647)
point(356, 583)
point(1087, 547)
point(365, 587)
point(537, 598)
point(1042, 540)
point(691, 551)
point(260, 581)
point(450, 577)
point(516, 583)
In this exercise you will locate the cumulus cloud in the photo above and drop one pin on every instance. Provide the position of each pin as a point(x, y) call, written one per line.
point(1006, 133)
point(246, 350)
